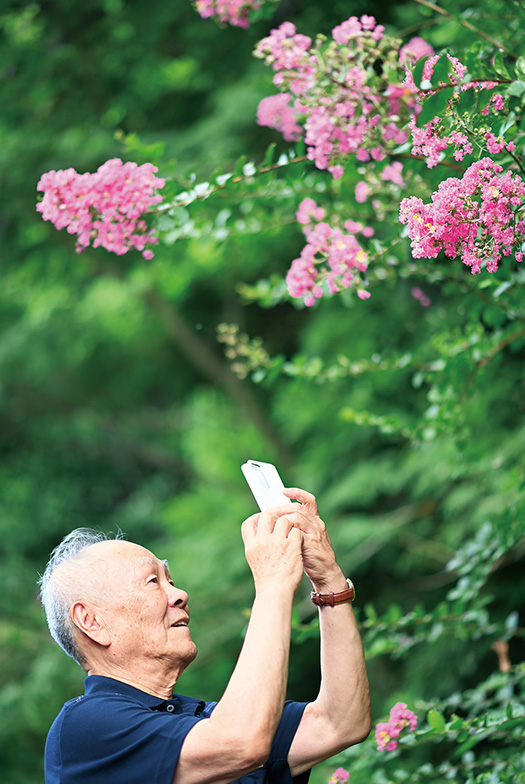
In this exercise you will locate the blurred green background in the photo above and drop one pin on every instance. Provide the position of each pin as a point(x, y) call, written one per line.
point(118, 409)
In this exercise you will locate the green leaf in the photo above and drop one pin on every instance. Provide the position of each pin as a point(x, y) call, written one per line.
point(417, 71)
point(474, 60)
point(300, 149)
point(239, 166)
point(511, 622)
point(457, 723)
point(519, 66)
point(436, 720)
point(441, 71)
point(472, 741)
point(511, 724)
point(393, 614)
point(269, 155)
point(434, 106)
point(516, 89)
point(499, 65)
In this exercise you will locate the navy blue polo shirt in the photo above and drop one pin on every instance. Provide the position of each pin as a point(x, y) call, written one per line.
point(116, 734)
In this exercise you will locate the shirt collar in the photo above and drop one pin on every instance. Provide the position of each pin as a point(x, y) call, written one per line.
point(101, 684)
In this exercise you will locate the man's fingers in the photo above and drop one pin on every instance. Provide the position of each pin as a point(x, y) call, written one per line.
point(283, 525)
point(249, 527)
point(301, 495)
point(266, 521)
point(295, 533)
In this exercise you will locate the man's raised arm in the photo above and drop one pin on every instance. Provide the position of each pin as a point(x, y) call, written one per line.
point(238, 735)
point(340, 716)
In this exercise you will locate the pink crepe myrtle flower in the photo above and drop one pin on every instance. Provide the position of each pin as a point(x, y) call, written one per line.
point(474, 218)
point(234, 12)
point(357, 112)
point(339, 776)
point(431, 140)
point(427, 142)
point(354, 27)
point(331, 259)
point(496, 103)
point(414, 50)
point(275, 112)
point(387, 733)
point(361, 192)
point(420, 295)
point(284, 48)
point(355, 227)
point(104, 208)
point(308, 210)
point(393, 172)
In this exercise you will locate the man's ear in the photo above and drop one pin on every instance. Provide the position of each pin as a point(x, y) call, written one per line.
point(88, 620)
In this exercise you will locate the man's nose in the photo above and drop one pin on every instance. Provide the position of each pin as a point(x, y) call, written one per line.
point(176, 596)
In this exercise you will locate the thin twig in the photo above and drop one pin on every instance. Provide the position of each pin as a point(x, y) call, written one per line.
point(447, 164)
point(475, 83)
point(469, 26)
point(518, 333)
point(218, 187)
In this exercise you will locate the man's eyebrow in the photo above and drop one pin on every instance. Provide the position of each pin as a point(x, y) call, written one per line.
point(150, 560)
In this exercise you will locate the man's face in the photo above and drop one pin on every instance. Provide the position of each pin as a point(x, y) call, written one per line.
point(145, 614)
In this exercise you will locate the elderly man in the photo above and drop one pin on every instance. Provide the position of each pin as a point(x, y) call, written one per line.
point(113, 606)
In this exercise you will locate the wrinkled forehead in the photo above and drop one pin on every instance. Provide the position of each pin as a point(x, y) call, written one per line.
point(118, 555)
point(117, 550)
point(107, 565)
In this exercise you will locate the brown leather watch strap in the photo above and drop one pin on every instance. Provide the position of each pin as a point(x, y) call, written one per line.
point(331, 599)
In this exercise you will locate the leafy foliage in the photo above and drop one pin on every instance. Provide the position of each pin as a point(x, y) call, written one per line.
point(117, 408)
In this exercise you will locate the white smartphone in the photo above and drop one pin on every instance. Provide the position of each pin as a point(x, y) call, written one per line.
point(265, 483)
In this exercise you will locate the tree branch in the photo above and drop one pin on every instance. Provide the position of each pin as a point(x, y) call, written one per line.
point(518, 333)
point(211, 367)
point(468, 25)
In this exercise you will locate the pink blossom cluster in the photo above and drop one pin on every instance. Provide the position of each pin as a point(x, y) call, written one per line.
point(104, 208)
point(234, 12)
point(331, 256)
point(339, 776)
point(496, 103)
point(455, 75)
point(275, 112)
point(414, 50)
point(431, 139)
point(381, 187)
point(401, 718)
point(393, 172)
point(420, 295)
point(345, 106)
point(496, 144)
point(428, 142)
point(475, 217)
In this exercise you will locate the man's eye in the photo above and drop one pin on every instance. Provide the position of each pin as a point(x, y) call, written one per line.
point(153, 580)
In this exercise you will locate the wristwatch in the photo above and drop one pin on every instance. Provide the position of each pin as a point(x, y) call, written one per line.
point(330, 599)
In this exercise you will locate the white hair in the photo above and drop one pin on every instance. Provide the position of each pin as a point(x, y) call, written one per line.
point(56, 595)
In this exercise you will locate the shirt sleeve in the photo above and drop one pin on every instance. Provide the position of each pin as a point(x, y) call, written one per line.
point(277, 768)
point(122, 743)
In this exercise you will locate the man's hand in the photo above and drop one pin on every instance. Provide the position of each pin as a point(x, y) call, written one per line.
point(319, 560)
point(273, 546)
